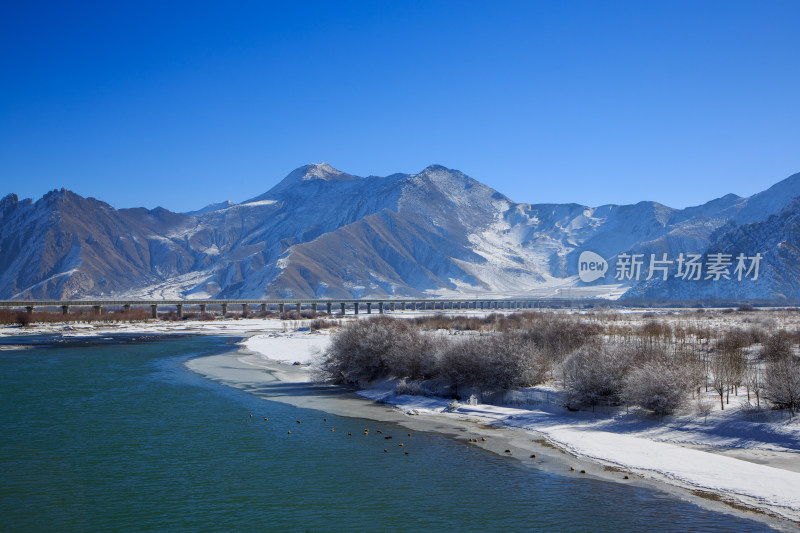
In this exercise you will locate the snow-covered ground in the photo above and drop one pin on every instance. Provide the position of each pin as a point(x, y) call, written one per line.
point(291, 346)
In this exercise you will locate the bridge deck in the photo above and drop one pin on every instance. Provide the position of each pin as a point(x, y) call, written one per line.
point(112, 302)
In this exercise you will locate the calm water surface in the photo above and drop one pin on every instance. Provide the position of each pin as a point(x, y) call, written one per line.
point(117, 435)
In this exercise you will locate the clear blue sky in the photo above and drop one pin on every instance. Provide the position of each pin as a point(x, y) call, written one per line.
point(181, 104)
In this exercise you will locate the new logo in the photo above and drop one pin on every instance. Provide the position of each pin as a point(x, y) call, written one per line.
point(591, 266)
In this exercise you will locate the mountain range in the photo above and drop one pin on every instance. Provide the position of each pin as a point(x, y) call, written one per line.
point(323, 233)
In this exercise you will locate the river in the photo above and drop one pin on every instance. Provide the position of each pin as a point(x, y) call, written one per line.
point(115, 433)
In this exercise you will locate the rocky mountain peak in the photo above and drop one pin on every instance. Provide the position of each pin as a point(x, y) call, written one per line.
point(318, 171)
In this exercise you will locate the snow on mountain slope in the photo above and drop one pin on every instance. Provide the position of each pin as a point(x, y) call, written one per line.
point(322, 232)
point(777, 239)
point(770, 202)
point(64, 245)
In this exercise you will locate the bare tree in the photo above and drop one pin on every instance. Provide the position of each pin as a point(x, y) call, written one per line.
point(754, 381)
point(704, 407)
point(728, 367)
point(719, 376)
point(777, 345)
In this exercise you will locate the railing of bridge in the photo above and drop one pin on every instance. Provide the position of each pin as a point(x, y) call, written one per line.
point(341, 305)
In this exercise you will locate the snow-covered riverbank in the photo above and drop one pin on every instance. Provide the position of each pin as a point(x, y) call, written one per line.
point(730, 455)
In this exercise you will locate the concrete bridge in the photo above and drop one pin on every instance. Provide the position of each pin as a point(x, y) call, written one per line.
point(342, 306)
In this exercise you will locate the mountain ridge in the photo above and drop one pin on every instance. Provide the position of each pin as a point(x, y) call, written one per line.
point(321, 231)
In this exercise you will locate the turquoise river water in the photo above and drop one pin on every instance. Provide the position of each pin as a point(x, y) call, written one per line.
point(116, 434)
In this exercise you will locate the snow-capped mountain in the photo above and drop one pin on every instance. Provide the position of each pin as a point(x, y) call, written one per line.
point(321, 232)
point(776, 239)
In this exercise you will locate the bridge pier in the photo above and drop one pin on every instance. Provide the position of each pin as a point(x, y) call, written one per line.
point(244, 310)
point(299, 306)
point(392, 307)
point(224, 310)
point(369, 308)
point(314, 308)
point(179, 308)
point(380, 308)
point(97, 309)
point(203, 308)
point(154, 310)
point(64, 309)
point(356, 306)
point(344, 306)
point(29, 309)
point(281, 308)
point(263, 308)
point(329, 308)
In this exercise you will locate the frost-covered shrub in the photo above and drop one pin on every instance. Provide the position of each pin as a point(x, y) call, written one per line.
point(382, 347)
point(462, 361)
point(660, 385)
point(494, 362)
point(782, 382)
point(357, 353)
point(410, 388)
point(413, 353)
point(595, 373)
point(509, 360)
